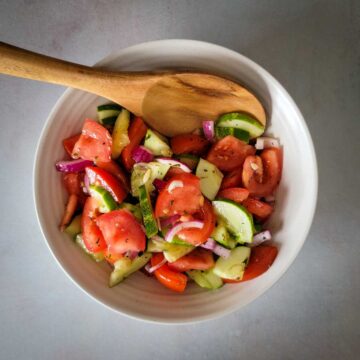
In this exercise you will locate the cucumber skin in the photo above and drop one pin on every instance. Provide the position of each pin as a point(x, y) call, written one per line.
point(147, 212)
point(109, 107)
point(248, 215)
point(240, 134)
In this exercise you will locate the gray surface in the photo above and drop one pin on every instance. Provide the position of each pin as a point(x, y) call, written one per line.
point(312, 48)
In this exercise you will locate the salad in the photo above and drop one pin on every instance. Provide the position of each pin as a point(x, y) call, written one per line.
point(190, 208)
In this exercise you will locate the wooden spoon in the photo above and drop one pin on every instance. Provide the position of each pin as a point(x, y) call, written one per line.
point(171, 102)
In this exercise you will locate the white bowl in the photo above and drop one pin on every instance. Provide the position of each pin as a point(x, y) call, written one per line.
point(139, 296)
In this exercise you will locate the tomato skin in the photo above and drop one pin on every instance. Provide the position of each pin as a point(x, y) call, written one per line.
point(107, 181)
point(199, 236)
point(182, 200)
point(94, 143)
point(189, 144)
point(236, 194)
point(92, 236)
point(232, 179)
point(72, 182)
point(265, 183)
point(173, 171)
point(70, 142)
point(261, 258)
point(229, 153)
point(121, 231)
point(173, 280)
point(259, 209)
point(136, 132)
point(114, 169)
point(198, 259)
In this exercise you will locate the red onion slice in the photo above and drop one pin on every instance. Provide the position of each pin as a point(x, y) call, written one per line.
point(181, 226)
point(73, 165)
point(266, 142)
point(261, 237)
point(209, 244)
point(217, 249)
point(174, 163)
point(221, 251)
point(209, 132)
point(170, 221)
point(142, 154)
point(132, 254)
point(157, 266)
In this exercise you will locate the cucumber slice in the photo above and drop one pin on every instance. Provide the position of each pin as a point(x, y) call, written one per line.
point(222, 236)
point(210, 178)
point(149, 220)
point(234, 266)
point(120, 137)
point(155, 245)
point(125, 267)
point(99, 256)
point(236, 218)
point(205, 278)
point(134, 209)
point(108, 113)
point(157, 144)
point(221, 132)
point(145, 174)
point(189, 160)
point(241, 121)
point(74, 228)
point(175, 252)
point(105, 199)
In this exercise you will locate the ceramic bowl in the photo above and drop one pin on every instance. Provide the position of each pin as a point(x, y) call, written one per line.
point(142, 297)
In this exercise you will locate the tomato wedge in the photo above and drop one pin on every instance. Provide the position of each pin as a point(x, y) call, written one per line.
point(171, 279)
point(261, 258)
point(173, 171)
point(94, 143)
point(229, 153)
point(136, 132)
point(235, 194)
point(70, 142)
point(198, 259)
point(92, 236)
point(199, 236)
point(112, 257)
point(183, 200)
point(189, 144)
point(72, 182)
point(232, 179)
point(103, 178)
point(263, 180)
point(259, 209)
point(121, 231)
point(114, 169)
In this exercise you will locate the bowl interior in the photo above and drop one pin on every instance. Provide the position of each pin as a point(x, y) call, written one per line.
point(140, 296)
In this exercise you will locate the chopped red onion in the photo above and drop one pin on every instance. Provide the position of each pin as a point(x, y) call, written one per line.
point(86, 188)
point(170, 221)
point(73, 165)
point(209, 132)
point(221, 251)
point(148, 266)
point(157, 266)
point(266, 142)
point(159, 184)
point(142, 154)
point(181, 226)
point(174, 163)
point(217, 249)
point(261, 237)
point(209, 244)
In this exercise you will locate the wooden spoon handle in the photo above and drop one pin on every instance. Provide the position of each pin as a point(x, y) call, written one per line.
point(128, 89)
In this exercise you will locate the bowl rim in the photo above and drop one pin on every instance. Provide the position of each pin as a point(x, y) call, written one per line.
point(313, 165)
